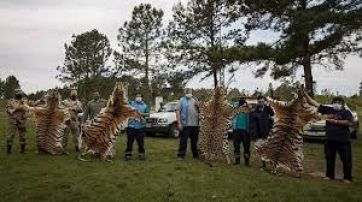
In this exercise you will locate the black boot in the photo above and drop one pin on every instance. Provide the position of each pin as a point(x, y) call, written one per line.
point(247, 162)
point(237, 161)
point(8, 151)
point(22, 149)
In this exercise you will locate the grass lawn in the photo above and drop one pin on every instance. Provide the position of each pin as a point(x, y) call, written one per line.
point(161, 177)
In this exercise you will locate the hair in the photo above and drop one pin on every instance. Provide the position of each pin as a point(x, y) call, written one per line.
point(188, 90)
point(242, 101)
point(260, 97)
point(338, 99)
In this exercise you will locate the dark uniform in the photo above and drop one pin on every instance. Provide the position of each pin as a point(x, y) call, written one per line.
point(16, 111)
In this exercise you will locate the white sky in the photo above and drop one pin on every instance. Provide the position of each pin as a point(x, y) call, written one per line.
point(33, 33)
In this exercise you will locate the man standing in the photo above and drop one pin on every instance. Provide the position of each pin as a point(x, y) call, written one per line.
point(187, 114)
point(241, 133)
point(136, 130)
point(17, 120)
point(93, 107)
point(261, 120)
point(338, 136)
point(73, 126)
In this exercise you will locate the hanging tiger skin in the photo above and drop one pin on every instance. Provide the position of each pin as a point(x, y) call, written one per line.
point(284, 146)
point(215, 120)
point(100, 134)
point(50, 123)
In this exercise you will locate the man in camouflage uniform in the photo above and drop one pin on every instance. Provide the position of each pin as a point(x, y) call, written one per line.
point(16, 111)
point(93, 107)
point(73, 125)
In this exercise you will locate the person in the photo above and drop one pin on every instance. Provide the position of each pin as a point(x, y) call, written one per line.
point(338, 136)
point(136, 129)
point(261, 120)
point(241, 133)
point(187, 114)
point(93, 107)
point(73, 126)
point(16, 111)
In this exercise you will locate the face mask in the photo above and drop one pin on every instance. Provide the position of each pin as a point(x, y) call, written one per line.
point(188, 95)
point(337, 106)
point(260, 102)
point(139, 99)
point(96, 97)
point(73, 97)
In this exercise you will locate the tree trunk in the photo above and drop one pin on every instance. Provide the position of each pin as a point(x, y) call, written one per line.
point(148, 95)
point(308, 77)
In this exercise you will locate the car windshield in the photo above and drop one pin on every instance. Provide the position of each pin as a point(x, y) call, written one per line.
point(170, 107)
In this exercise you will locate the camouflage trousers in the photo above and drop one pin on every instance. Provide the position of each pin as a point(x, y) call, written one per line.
point(74, 128)
point(16, 129)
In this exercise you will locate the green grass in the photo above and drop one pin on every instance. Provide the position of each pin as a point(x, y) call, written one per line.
point(161, 177)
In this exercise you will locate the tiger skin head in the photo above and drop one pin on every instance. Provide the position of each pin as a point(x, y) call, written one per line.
point(52, 99)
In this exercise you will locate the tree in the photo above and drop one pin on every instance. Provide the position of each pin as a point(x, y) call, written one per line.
point(360, 89)
point(2, 83)
point(196, 28)
point(312, 33)
point(140, 40)
point(270, 91)
point(85, 62)
point(234, 95)
point(10, 85)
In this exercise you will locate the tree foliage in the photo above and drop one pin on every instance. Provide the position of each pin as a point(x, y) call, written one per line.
point(85, 62)
point(10, 85)
point(197, 28)
point(141, 40)
point(312, 32)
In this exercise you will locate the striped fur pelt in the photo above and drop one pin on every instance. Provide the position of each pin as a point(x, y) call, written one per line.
point(284, 146)
point(215, 120)
point(100, 134)
point(50, 123)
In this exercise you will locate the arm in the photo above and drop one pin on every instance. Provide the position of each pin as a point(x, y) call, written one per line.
point(85, 114)
point(311, 101)
point(340, 122)
point(9, 108)
point(178, 116)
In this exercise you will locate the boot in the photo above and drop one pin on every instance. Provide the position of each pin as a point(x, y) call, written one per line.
point(237, 161)
point(8, 151)
point(22, 149)
point(247, 162)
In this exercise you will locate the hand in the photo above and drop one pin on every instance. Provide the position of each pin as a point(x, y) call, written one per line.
point(179, 126)
point(333, 121)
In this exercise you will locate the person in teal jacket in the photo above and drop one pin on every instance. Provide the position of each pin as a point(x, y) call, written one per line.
point(241, 133)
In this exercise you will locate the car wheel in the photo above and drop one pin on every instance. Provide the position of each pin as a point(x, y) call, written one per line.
point(172, 131)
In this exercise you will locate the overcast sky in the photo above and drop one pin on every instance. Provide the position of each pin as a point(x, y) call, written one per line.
point(33, 33)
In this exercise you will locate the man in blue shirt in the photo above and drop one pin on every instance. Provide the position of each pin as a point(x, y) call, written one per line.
point(136, 129)
point(241, 133)
point(338, 136)
point(187, 114)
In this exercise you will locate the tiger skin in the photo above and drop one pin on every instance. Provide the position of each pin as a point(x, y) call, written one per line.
point(50, 123)
point(284, 146)
point(215, 119)
point(100, 134)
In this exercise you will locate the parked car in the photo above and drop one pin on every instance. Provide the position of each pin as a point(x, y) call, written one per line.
point(163, 122)
point(317, 130)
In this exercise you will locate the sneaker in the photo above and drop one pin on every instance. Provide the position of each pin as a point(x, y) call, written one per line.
point(347, 181)
point(327, 178)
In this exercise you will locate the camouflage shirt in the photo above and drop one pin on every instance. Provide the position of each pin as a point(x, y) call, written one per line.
point(75, 107)
point(92, 109)
point(16, 111)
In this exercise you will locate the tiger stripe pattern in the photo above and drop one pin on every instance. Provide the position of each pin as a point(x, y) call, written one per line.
point(50, 123)
point(100, 134)
point(215, 120)
point(284, 146)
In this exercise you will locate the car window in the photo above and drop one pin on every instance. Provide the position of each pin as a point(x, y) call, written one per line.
point(170, 107)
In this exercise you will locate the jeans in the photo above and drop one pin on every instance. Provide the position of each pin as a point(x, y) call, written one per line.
point(193, 133)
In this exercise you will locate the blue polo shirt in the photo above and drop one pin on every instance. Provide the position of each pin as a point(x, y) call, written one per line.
point(141, 107)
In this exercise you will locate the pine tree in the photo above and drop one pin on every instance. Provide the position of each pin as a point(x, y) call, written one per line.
point(10, 85)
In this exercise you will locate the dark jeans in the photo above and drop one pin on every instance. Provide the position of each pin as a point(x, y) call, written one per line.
point(331, 148)
point(193, 133)
point(239, 136)
point(139, 135)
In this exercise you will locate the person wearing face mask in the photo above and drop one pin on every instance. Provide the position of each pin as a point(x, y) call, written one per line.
point(73, 126)
point(93, 107)
point(16, 111)
point(187, 114)
point(136, 129)
point(261, 121)
point(338, 136)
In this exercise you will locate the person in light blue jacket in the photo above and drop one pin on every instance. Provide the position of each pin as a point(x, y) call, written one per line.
point(241, 133)
point(136, 129)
